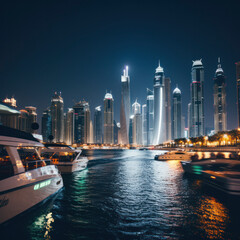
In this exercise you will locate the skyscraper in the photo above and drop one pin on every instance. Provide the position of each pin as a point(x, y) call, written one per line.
point(168, 108)
point(87, 128)
point(116, 130)
point(177, 114)
point(197, 100)
point(137, 124)
point(136, 108)
point(108, 126)
point(238, 91)
point(125, 106)
point(81, 122)
point(32, 118)
point(144, 124)
point(159, 107)
point(46, 125)
point(69, 127)
point(219, 93)
point(57, 117)
point(8, 115)
point(150, 116)
point(97, 125)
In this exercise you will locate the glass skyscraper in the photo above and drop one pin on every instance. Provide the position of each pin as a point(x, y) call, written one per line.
point(57, 117)
point(168, 108)
point(150, 116)
point(46, 125)
point(159, 107)
point(108, 125)
point(144, 124)
point(81, 122)
point(219, 93)
point(97, 125)
point(177, 114)
point(197, 100)
point(125, 107)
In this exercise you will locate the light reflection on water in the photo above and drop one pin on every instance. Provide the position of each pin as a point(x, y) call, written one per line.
point(128, 195)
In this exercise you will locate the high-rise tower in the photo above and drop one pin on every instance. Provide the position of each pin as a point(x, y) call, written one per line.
point(125, 107)
point(177, 114)
point(144, 124)
point(108, 124)
point(197, 100)
point(238, 91)
point(136, 124)
point(167, 85)
point(219, 93)
point(46, 125)
point(57, 117)
point(159, 107)
point(97, 125)
point(150, 116)
point(69, 127)
point(81, 122)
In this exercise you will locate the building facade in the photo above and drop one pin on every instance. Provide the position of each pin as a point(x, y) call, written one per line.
point(159, 135)
point(125, 106)
point(150, 116)
point(177, 114)
point(197, 100)
point(144, 124)
point(108, 122)
point(168, 108)
point(81, 122)
point(219, 94)
point(136, 124)
point(46, 125)
point(97, 126)
point(57, 116)
point(32, 118)
point(69, 127)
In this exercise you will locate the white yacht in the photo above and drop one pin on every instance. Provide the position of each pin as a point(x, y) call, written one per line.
point(65, 157)
point(174, 155)
point(225, 181)
point(25, 179)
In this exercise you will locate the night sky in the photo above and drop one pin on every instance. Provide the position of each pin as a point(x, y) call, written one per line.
point(81, 47)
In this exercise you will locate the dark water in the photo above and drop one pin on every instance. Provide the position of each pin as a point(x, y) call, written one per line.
point(128, 195)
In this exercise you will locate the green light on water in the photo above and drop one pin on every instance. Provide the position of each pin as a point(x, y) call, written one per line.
point(42, 184)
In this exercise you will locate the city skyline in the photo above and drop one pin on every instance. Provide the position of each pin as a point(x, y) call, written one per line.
point(60, 58)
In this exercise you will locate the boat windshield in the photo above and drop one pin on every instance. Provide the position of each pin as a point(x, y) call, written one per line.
point(60, 156)
point(6, 168)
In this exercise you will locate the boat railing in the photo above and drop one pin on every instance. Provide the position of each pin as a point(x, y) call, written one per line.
point(30, 165)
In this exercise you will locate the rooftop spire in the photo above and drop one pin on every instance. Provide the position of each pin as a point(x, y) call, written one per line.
point(219, 62)
point(126, 71)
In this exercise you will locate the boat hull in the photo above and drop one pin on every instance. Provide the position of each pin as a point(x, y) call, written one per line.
point(70, 167)
point(222, 182)
point(20, 198)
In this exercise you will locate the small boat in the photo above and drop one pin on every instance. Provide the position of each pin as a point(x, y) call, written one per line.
point(174, 155)
point(65, 157)
point(214, 163)
point(25, 179)
point(225, 181)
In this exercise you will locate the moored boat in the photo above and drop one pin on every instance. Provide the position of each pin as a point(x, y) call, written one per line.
point(25, 180)
point(174, 155)
point(65, 157)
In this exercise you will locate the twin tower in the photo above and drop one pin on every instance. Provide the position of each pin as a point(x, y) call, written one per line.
point(159, 128)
